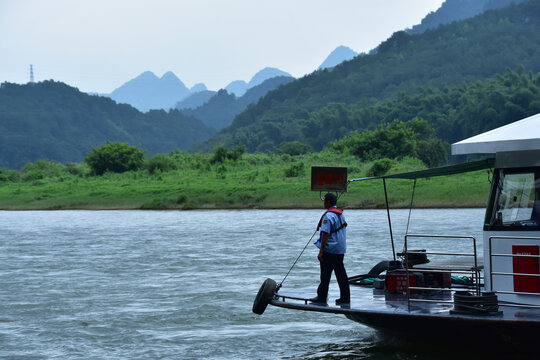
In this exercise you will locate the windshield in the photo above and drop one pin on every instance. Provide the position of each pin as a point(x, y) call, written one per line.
point(516, 203)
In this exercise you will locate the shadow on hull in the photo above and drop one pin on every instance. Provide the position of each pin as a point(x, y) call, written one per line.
point(489, 337)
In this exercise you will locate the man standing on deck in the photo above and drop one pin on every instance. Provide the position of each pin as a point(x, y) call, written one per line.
point(332, 245)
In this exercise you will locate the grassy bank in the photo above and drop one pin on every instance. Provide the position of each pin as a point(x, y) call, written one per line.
point(253, 181)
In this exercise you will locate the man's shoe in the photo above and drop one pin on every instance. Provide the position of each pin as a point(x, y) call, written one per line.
point(343, 302)
point(317, 301)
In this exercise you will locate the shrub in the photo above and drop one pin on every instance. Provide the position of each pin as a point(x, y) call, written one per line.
point(7, 175)
point(41, 169)
point(221, 153)
point(395, 140)
point(237, 152)
point(77, 169)
point(392, 140)
point(159, 162)
point(294, 170)
point(181, 199)
point(115, 157)
point(432, 152)
point(380, 167)
point(286, 158)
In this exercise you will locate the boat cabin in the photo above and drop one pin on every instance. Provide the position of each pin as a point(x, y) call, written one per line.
point(512, 223)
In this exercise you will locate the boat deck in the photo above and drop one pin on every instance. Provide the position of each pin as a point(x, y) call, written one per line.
point(367, 300)
point(510, 330)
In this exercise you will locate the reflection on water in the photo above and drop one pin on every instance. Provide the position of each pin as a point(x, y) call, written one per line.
point(172, 284)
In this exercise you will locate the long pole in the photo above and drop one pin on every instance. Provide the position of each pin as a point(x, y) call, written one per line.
point(389, 221)
point(304, 249)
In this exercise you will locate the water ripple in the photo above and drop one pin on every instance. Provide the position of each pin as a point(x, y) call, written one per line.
point(172, 284)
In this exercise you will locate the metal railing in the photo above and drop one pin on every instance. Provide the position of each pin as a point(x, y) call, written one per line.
point(474, 270)
point(499, 273)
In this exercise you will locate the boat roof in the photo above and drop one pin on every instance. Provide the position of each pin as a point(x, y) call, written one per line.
point(521, 135)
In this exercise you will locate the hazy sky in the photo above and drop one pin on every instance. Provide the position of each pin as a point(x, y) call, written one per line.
point(97, 45)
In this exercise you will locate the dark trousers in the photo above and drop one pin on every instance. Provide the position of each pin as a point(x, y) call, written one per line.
point(333, 262)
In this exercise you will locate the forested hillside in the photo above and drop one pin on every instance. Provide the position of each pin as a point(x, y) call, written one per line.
point(454, 112)
point(314, 109)
point(218, 112)
point(51, 120)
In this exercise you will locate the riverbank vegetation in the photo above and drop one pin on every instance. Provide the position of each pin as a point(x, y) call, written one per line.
point(227, 179)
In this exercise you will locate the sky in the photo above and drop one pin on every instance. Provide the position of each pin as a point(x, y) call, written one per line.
point(97, 45)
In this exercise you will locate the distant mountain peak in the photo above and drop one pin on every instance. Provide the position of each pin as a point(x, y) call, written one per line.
point(169, 75)
point(171, 80)
point(147, 75)
point(198, 88)
point(147, 91)
point(265, 74)
point(237, 87)
point(340, 54)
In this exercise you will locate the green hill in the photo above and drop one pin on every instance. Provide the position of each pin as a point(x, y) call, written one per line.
point(454, 112)
point(51, 120)
point(461, 52)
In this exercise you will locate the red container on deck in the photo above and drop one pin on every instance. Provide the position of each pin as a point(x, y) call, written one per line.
point(396, 282)
point(526, 265)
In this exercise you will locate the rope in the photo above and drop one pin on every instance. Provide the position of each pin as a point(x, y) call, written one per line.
point(298, 258)
point(389, 220)
point(408, 222)
point(410, 208)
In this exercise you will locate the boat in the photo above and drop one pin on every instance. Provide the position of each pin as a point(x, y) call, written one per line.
point(489, 298)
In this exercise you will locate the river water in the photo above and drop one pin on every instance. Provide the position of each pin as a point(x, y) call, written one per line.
point(180, 284)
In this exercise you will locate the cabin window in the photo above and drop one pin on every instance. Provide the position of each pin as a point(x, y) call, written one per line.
point(517, 200)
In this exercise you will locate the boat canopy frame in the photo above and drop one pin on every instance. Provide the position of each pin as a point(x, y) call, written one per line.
point(439, 171)
point(488, 163)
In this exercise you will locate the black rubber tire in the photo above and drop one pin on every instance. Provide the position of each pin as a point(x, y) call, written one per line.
point(379, 268)
point(264, 296)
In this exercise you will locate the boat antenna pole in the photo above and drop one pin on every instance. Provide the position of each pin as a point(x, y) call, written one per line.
point(304, 249)
point(389, 221)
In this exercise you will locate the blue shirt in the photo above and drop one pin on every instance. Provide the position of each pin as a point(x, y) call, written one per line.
point(336, 240)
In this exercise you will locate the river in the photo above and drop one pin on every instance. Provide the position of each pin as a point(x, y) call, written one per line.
point(180, 284)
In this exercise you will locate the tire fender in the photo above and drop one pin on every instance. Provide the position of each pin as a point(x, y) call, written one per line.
point(264, 296)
